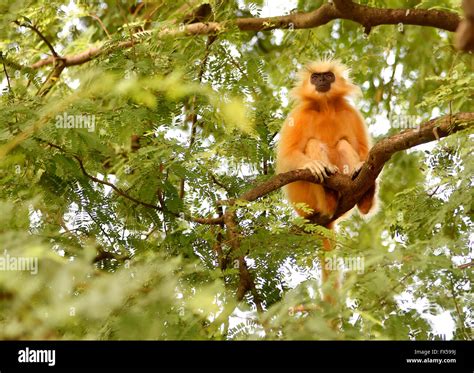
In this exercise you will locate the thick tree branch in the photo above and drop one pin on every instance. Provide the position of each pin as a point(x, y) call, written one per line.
point(367, 16)
point(352, 190)
point(370, 17)
point(382, 151)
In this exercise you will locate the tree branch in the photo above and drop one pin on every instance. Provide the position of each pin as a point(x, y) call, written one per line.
point(116, 189)
point(40, 34)
point(367, 16)
point(97, 18)
point(246, 282)
point(6, 73)
point(364, 15)
point(352, 190)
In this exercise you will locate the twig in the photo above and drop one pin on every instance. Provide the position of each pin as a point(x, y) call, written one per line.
point(5, 71)
point(466, 265)
point(39, 33)
point(96, 17)
point(220, 184)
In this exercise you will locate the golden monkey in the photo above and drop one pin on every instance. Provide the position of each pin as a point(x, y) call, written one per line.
point(325, 134)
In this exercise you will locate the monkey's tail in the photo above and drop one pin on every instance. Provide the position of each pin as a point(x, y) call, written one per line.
point(329, 274)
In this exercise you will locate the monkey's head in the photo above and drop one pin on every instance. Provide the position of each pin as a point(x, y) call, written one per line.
point(324, 80)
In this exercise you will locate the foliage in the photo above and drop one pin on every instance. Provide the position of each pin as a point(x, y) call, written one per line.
point(111, 268)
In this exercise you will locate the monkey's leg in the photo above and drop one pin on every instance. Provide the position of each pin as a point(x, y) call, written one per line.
point(350, 162)
point(312, 195)
point(317, 151)
point(319, 165)
point(348, 159)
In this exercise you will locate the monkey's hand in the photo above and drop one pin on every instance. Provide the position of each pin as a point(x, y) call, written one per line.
point(357, 169)
point(321, 169)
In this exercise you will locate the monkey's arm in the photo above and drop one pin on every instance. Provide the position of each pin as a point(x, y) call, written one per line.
point(296, 150)
point(290, 153)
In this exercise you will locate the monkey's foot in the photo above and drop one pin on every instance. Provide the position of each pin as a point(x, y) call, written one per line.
point(321, 169)
point(356, 171)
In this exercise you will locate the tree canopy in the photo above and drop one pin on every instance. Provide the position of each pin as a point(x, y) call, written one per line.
point(137, 152)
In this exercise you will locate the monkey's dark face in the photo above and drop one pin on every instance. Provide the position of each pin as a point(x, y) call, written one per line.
point(323, 81)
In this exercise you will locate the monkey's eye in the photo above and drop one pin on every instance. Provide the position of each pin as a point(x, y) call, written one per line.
point(330, 76)
point(314, 77)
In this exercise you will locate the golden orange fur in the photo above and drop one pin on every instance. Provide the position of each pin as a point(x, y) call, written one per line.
point(326, 134)
point(323, 127)
point(342, 87)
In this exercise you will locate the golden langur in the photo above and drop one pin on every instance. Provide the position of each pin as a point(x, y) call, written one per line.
point(325, 134)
